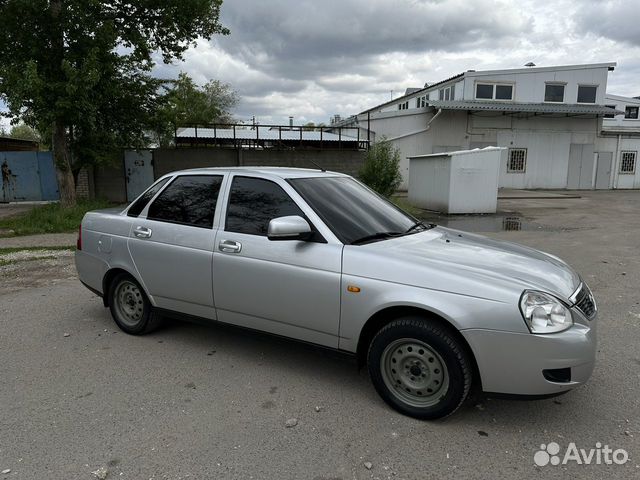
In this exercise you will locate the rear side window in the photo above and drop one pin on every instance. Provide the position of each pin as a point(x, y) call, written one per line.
point(141, 202)
point(188, 200)
point(254, 202)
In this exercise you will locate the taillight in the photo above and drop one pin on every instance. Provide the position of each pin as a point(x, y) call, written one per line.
point(79, 241)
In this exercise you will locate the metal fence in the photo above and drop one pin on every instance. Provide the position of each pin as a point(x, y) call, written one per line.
point(271, 136)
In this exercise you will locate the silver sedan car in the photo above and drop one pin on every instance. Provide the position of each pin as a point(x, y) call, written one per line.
point(318, 257)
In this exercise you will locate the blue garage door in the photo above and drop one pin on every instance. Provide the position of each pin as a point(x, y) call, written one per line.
point(27, 176)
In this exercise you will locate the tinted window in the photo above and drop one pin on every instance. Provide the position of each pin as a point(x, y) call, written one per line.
point(484, 91)
point(253, 202)
point(504, 92)
point(631, 112)
point(351, 210)
point(587, 94)
point(189, 200)
point(141, 202)
point(554, 93)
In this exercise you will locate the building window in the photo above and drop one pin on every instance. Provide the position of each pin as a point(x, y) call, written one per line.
point(484, 91)
point(403, 105)
point(610, 115)
point(587, 93)
point(490, 91)
point(553, 93)
point(517, 160)
point(421, 101)
point(447, 93)
point(631, 112)
point(628, 162)
point(504, 92)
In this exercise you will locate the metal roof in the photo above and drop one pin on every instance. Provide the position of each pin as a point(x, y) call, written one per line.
point(264, 134)
point(512, 107)
point(420, 90)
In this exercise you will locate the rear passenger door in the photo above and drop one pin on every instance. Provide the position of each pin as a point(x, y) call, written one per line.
point(171, 244)
point(288, 287)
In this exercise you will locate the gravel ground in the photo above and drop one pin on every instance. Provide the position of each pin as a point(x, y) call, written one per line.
point(192, 401)
point(43, 240)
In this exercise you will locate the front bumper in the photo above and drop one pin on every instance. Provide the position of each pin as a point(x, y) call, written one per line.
point(513, 363)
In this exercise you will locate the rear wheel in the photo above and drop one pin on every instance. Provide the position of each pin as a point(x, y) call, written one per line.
point(130, 307)
point(419, 368)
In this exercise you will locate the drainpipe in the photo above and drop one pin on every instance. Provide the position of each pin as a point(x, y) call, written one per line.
point(433, 118)
point(616, 173)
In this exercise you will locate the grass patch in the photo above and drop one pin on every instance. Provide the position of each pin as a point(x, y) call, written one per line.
point(404, 204)
point(51, 218)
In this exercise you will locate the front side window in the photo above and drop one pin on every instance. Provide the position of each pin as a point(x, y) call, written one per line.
point(352, 211)
point(587, 93)
point(188, 200)
point(137, 206)
point(631, 113)
point(553, 93)
point(254, 202)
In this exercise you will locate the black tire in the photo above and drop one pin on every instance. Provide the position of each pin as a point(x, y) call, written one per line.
point(411, 355)
point(136, 316)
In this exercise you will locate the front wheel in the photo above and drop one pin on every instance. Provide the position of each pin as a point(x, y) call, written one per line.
point(130, 307)
point(419, 368)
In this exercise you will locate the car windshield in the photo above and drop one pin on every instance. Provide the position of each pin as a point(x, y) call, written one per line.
point(352, 211)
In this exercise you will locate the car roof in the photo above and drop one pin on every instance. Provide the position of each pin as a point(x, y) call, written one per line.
point(281, 172)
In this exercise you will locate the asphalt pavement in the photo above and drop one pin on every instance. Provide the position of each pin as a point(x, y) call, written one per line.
point(211, 402)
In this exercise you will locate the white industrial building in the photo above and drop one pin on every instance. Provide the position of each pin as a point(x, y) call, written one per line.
point(561, 128)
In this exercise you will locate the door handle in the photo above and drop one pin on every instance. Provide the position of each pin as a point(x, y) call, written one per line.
point(142, 232)
point(229, 246)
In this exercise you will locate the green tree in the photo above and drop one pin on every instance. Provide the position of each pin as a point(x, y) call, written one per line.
point(381, 169)
point(25, 132)
point(184, 102)
point(79, 70)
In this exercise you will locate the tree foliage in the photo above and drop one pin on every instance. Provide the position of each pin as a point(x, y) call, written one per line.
point(381, 169)
point(184, 102)
point(25, 132)
point(79, 70)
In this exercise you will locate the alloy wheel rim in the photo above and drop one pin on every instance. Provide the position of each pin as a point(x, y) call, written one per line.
point(130, 303)
point(414, 372)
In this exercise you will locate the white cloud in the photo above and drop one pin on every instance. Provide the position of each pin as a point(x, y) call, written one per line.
point(313, 59)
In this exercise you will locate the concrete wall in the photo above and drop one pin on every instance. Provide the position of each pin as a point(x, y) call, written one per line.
point(168, 160)
point(172, 159)
point(109, 183)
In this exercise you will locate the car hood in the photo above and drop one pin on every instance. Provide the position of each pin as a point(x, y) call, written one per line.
point(461, 262)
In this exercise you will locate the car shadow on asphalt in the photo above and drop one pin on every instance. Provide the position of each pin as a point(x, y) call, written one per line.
point(331, 367)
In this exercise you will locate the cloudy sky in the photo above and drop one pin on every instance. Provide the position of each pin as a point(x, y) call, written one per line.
point(312, 59)
point(315, 58)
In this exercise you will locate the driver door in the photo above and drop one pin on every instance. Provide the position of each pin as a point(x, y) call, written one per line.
point(288, 287)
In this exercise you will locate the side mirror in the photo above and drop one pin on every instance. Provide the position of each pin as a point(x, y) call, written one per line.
point(292, 227)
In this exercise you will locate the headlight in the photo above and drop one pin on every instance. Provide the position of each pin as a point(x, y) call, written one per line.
point(543, 313)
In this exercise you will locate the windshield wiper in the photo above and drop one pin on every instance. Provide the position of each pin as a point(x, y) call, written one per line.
point(416, 225)
point(375, 236)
